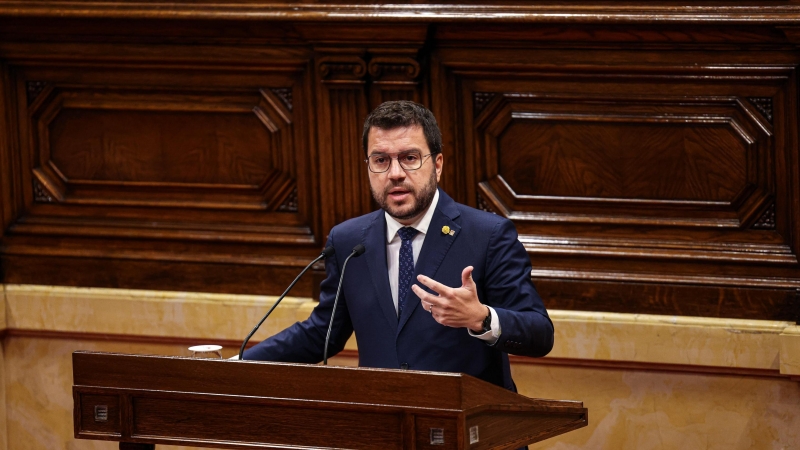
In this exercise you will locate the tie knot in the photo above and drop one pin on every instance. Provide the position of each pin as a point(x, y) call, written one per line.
point(407, 233)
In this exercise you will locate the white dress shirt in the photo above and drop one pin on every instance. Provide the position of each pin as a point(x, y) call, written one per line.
point(393, 243)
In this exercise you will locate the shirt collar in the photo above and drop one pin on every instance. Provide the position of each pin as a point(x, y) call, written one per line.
point(421, 224)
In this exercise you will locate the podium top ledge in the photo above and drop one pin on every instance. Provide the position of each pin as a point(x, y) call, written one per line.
point(291, 381)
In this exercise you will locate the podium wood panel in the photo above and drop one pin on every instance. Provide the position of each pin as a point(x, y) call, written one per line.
point(135, 399)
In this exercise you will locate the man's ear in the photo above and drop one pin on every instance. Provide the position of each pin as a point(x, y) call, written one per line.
point(438, 164)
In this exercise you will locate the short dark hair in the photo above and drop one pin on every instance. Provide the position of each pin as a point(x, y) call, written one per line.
point(404, 113)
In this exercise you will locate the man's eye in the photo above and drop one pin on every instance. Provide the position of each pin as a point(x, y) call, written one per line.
point(380, 159)
point(410, 158)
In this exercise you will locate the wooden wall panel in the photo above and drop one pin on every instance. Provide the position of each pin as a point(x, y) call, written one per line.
point(649, 159)
point(636, 180)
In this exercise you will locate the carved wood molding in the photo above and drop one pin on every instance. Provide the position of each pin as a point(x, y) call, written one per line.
point(767, 220)
point(480, 100)
point(763, 105)
point(40, 193)
point(350, 85)
point(238, 172)
point(33, 89)
point(397, 69)
point(537, 148)
point(285, 94)
point(378, 69)
point(483, 205)
point(290, 203)
point(659, 12)
point(736, 131)
point(342, 68)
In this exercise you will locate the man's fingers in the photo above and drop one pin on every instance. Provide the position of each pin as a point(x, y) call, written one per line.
point(466, 277)
point(426, 296)
point(434, 285)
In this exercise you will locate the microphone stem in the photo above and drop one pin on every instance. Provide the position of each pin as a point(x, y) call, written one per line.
point(241, 350)
point(333, 311)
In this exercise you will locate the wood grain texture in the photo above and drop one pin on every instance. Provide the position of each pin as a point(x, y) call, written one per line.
point(212, 403)
point(637, 171)
point(552, 12)
point(647, 154)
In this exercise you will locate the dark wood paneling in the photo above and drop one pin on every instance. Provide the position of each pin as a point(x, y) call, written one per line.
point(670, 299)
point(285, 425)
point(648, 158)
point(633, 175)
point(222, 150)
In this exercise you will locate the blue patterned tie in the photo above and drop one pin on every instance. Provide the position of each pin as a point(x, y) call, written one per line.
point(406, 266)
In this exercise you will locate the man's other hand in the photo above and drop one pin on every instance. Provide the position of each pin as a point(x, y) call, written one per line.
point(453, 307)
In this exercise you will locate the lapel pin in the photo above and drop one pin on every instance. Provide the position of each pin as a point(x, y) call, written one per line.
point(447, 230)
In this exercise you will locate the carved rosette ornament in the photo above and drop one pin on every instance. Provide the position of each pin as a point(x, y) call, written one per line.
point(480, 100)
point(763, 105)
point(285, 94)
point(483, 205)
point(767, 220)
point(290, 204)
point(33, 89)
point(40, 194)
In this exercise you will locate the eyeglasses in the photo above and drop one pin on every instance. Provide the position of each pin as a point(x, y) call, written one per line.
point(410, 160)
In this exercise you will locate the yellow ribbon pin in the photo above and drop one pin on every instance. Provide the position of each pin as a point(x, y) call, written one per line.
point(445, 230)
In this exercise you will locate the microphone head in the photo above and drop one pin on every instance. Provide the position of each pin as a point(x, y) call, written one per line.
point(328, 252)
point(359, 250)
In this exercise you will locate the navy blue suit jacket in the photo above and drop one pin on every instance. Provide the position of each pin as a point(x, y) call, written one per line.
point(416, 341)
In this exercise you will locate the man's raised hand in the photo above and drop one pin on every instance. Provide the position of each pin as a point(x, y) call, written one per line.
point(453, 307)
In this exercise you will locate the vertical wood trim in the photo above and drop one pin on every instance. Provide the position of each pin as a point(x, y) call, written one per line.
point(789, 207)
point(305, 107)
point(446, 107)
point(461, 431)
point(409, 431)
point(343, 103)
point(6, 174)
point(76, 413)
point(12, 176)
point(24, 146)
point(126, 416)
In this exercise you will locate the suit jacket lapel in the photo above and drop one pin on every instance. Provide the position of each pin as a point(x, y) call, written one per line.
point(434, 249)
point(375, 242)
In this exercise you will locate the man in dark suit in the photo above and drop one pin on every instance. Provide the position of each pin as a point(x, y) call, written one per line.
point(473, 301)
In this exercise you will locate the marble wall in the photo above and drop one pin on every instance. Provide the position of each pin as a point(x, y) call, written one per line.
point(3, 419)
point(649, 382)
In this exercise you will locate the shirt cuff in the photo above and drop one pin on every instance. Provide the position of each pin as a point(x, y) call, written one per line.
point(492, 335)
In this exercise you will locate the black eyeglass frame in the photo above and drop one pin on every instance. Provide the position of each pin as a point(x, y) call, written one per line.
point(395, 158)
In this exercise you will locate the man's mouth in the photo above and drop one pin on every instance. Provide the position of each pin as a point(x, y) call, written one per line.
point(398, 193)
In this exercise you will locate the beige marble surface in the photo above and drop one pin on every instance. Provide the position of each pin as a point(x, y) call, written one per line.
point(3, 420)
point(730, 343)
point(2, 308)
point(648, 410)
point(3, 402)
point(753, 344)
point(145, 313)
point(790, 351)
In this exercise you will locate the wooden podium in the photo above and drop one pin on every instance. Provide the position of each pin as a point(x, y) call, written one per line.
point(141, 401)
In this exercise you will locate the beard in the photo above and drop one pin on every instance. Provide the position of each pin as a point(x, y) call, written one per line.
point(422, 199)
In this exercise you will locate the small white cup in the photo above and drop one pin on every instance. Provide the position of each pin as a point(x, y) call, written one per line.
point(206, 351)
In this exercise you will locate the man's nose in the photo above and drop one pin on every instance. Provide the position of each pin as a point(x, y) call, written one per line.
point(395, 171)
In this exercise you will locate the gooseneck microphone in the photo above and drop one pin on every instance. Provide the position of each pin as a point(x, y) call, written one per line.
point(358, 250)
point(327, 252)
